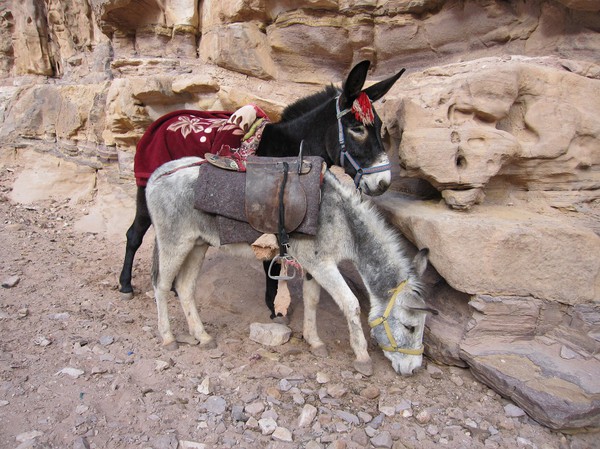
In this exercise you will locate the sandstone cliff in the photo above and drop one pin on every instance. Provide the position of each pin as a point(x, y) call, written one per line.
point(496, 131)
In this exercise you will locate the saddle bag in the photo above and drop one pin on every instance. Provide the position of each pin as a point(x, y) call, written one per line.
point(247, 204)
point(300, 180)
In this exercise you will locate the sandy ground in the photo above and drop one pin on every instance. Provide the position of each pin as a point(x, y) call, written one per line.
point(80, 367)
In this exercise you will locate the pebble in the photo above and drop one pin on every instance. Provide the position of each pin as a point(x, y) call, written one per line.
point(215, 404)
point(322, 378)
point(512, 411)
point(183, 444)
point(42, 341)
point(254, 408)
point(336, 391)
point(307, 415)
point(364, 417)
point(73, 372)
point(267, 425)
point(348, 417)
point(161, 365)
point(270, 334)
point(434, 371)
point(4, 403)
point(28, 436)
point(457, 380)
point(10, 281)
point(285, 385)
point(567, 353)
point(282, 434)
point(370, 392)
point(423, 417)
point(387, 410)
point(237, 413)
point(81, 443)
point(107, 340)
point(205, 387)
point(382, 439)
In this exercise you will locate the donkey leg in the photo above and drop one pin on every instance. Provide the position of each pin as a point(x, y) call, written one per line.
point(186, 289)
point(311, 291)
point(271, 286)
point(332, 280)
point(135, 235)
point(168, 260)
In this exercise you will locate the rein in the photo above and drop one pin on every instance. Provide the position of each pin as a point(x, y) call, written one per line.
point(344, 151)
point(393, 346)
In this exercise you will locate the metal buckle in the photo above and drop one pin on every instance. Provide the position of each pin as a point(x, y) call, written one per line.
point(283, 258)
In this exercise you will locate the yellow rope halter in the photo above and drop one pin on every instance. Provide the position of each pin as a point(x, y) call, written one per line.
point(393, 346)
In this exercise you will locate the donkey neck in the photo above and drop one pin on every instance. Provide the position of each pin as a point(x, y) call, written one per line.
point(376, 251)
point(284, 138)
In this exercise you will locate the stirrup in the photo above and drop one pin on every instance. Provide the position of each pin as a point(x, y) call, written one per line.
point(282, 277)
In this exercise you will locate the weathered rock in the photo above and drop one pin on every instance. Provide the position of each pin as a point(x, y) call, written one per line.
point(270, 334)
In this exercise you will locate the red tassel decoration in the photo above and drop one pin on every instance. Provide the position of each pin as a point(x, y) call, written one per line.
point(363, 110)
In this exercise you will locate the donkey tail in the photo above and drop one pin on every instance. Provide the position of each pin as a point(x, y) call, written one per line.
point(155, 267)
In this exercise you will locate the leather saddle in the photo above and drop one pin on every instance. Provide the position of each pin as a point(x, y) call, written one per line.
point(253, 199)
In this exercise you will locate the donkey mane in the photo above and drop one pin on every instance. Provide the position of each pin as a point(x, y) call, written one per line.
point(364, 209)
point(310, 103)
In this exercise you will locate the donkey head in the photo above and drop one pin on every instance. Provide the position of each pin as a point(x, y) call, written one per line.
point(399, 328)
point(360, 151)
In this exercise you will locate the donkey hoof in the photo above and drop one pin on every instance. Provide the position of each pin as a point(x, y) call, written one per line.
point(171, 346)
point(364, 368)
point(320, 351)
point(126, 296)
point(210, 344)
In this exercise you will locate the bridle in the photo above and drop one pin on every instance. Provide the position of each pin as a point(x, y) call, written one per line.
point(344, 151)
point(393, 346)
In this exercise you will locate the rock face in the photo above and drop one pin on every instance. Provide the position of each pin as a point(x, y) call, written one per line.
point(496, 128)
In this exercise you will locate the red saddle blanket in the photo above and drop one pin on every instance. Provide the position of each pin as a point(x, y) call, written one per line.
point(194, 133)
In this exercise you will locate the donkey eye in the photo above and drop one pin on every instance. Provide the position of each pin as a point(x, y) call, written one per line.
point(359, 132)
point(410, 329)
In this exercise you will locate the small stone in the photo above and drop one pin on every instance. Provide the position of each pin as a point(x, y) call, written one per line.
point(237, 413)
point(387, 410)
point(307, 415)
point(22, 313)
point(4, 403)
point(161, 365)
point(364, 417)
point(406, 413)
point(567, 353)
point(42, 341)
point(382, 439)
point(322, 378)
point(285, 385)
point(10, 281)
point(370, 392)
point(457, 380)
point(254, 408)
point(81, 443)
point(282, 434)
point(432, 430)
point(348, 417)
point(191, 445)
point(62, 316)
point(423, 417)
point(524, 442)
point(28, 436)
point(267, 425)
point(336, 391)
point(252, 423)
point(81, 409)
point(434, 371)
point(270, 334)
point(205, 387)
point(512, 411)
point(73, 372)
point(107, 340)
point(215, 404)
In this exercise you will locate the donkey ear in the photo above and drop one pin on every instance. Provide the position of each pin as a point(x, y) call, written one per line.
point(420, 261)
point(376, 91)
point(354, 83)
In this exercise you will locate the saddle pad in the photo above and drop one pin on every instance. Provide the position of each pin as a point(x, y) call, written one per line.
point(222, 193)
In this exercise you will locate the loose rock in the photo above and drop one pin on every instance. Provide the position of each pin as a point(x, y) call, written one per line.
point(270, 334)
